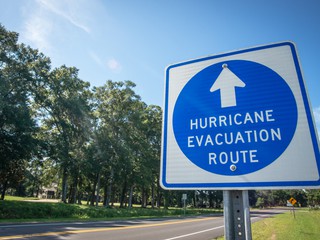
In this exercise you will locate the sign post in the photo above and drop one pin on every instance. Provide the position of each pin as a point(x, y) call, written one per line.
point(238, 121)
point(184, 199)
point(236, 215)
point(292, 202)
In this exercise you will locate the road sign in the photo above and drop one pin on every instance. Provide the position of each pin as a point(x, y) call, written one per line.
point(239, 120)
point(184, 196)
point(289, 204)
point(292, 201)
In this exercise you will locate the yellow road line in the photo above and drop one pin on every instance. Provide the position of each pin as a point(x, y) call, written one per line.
point(102, 229)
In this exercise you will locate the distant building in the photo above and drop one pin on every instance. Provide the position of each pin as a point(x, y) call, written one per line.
point(49, 192)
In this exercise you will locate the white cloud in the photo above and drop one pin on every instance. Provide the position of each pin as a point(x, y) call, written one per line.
point(44, 19)
point(69, 10)
point(111, 64)
point(37, 32)
point(114, 65)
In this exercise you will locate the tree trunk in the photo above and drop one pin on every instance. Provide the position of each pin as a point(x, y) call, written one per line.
point(38, 190)
point(158, 195)
point(166, 199)
point(130, 197)
point(105, 196)
point(123, 194)
point(79, 192)
point(4, 189)
point(88, 199)
point(195, 199)
point(152, 195)
point(108, 191)
point(74, 190)
point(79, 198)
point(93, 193)
point(98, 190)
point(64, 186)
point(144, 198)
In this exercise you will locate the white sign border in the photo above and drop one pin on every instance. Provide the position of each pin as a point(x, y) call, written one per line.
point(189, 68)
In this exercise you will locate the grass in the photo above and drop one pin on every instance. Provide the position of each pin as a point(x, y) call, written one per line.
point(304, 226)
point(14, 198)
point(23, 211)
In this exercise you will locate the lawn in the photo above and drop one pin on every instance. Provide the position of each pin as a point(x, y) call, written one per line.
point(305, 225)
point(14, 210)
point(14, 198)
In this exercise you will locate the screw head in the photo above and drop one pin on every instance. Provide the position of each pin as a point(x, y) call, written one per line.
point(233, 167)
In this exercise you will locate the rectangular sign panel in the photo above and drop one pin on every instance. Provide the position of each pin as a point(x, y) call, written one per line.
point(292, 201)
point(239, 120)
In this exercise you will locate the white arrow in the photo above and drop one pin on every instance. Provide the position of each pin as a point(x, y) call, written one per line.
point(227, 82)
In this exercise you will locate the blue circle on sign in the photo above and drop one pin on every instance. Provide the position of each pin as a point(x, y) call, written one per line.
point(234, 117)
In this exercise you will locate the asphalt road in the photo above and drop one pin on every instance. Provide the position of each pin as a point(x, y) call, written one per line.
point(189, 228)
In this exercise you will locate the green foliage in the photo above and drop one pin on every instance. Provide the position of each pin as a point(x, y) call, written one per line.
point(270, 198)
point(260, 202)
point(126, 140)
point(313, 196)
point(95, 142)
point(66, 124)
point(37, 210)
point(18, 73)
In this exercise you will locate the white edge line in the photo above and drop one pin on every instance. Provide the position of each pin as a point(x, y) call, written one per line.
point(194, 233)
point(210, 229)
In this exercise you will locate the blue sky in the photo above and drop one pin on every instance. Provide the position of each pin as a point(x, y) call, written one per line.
point(135, 40)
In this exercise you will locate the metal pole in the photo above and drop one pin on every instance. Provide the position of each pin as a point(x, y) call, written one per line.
point(246, 211)
point(228, 216)
point(294, 213)
point(236, 215)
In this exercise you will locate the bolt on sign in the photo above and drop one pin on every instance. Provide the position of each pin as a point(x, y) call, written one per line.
point(239, 120)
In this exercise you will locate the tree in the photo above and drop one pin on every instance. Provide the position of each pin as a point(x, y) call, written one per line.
point(151, 120)
point(116, 110)
point(313, 196)
point(54, 128)
point(20, 68)
point(65, 117)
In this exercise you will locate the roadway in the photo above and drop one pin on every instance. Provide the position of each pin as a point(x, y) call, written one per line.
point(187, 228)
